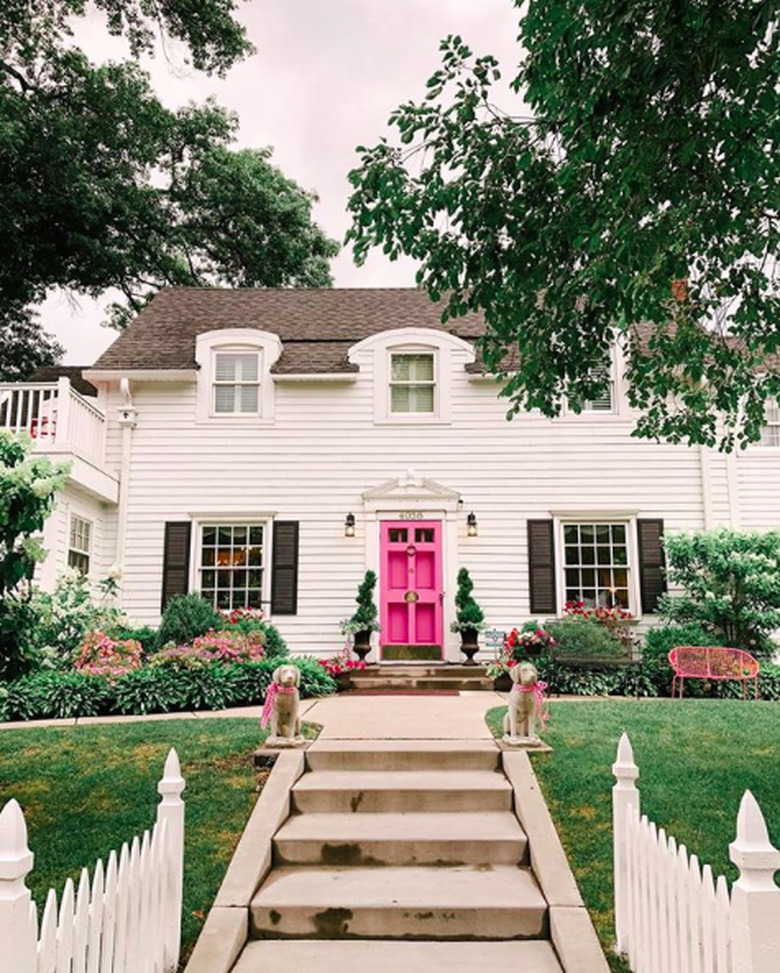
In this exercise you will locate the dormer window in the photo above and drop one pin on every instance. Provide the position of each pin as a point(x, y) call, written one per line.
point(234, 377)
point(770, 434)
point(604, 402)
point(236, 382)
point(412, 383)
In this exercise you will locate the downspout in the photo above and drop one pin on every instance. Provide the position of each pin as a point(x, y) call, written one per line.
point(126, 419)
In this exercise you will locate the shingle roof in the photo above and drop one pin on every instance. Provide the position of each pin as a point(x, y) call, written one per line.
point(73, 372)
point(316, 326)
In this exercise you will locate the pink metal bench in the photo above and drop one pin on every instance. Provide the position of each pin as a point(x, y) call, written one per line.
point(708, 662)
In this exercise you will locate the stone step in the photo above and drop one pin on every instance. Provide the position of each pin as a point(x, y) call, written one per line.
point(465, 838)
point(502, 902)
point(458, 684)
point(403, 755)
point(402, 790)
point(417, 670)
point(311, 956)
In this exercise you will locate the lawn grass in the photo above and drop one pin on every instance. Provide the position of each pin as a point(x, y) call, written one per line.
point(695, 757)
point(86, 789)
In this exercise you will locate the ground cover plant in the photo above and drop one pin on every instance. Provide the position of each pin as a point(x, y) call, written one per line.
point(85, 790)
point(695, 757)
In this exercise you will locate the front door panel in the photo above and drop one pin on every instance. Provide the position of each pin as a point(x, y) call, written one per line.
point(411, 611)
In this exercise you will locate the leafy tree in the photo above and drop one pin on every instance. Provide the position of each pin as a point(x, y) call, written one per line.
point(27, 487)
point(731, 584)
point(102, 186)
point(638, 203)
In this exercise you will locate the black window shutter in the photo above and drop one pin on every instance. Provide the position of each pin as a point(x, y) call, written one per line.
point(284, 575)
point(176, 560)
point(541, 566)
point(652, 583)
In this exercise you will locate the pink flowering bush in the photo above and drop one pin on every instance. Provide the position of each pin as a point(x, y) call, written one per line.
point(599, 613)
point(224, 646)
point(101, 655)
point(336, 665)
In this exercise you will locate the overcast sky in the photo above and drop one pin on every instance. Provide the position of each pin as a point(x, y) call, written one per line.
point(326, 75)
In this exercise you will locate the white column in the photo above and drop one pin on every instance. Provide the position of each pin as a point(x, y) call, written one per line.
point(62, 436)
point(624, 795)
point(171, 811)
point(755, 899)
point(18, 939)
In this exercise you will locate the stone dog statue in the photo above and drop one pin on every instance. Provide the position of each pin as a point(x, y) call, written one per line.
point(526, 706)
point(281, 708)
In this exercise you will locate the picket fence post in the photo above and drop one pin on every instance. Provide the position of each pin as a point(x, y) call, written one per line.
point(170, 812)
point(624, 795)
point(18, 923)
point(755, 899)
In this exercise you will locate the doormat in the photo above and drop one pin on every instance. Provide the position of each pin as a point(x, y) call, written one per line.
point(400, 692)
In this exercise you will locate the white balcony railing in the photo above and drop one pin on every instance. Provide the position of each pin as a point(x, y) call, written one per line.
point(57, 418)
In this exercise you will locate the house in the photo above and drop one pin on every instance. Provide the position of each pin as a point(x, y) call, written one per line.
point(266, 447)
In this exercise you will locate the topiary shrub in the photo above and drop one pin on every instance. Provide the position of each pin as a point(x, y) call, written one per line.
point(185, 618)
point(583, 638)
point(469, 615)
point(366, 616)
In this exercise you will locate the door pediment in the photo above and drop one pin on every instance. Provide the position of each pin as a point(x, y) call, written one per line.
point(411, 490)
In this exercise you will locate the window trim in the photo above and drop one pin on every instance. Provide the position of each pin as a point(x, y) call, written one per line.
point(234, 520)
point(84, 553)
point(208, 345)
point(452, 354)
point(599, 517)
point(615, 392)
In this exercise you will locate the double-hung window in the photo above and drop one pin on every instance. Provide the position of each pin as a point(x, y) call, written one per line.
point(596, 564)
point(412, 383)
point(236, 383)
point(79, 544)
point(604, 402)
point(770, 434)
point(232, 561)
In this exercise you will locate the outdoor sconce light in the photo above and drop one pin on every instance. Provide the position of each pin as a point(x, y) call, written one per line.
point(471, 522)
point(349, 526)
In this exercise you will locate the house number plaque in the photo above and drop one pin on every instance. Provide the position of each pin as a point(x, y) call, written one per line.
point(411, 515)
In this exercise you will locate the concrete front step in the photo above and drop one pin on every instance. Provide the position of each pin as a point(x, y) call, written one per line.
point(459, 684)
point(358, 956)
point(403, 755)
point(402, 790)
point(502, 902)
point(464, 838)
point(417, 670)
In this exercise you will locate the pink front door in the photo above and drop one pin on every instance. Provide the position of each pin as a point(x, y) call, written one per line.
point(411, 611)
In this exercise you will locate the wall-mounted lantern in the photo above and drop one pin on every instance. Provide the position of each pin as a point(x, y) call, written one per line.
point(349, 526)
point(471, 525)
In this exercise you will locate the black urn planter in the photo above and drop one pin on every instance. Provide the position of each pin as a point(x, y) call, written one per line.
point(469, 644)
point(362, 645)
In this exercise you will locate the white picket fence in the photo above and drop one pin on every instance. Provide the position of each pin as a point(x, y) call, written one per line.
point(127, 920)
point(670, 914)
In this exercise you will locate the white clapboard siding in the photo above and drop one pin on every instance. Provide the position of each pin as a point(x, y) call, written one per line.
point(324, 449)
point(671, 915)
point(126, 921)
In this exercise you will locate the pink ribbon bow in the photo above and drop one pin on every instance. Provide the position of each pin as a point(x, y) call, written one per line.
point(273, 690)
point(542, 702)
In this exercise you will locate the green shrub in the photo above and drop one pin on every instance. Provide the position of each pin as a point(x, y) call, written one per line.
point(185, 618)
point(274, 645)
point(152, 689)
point(144, 634)
point(731, 583)
point(468, 615)
point(365, 617)
point(583, 638)
point(56, 695)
